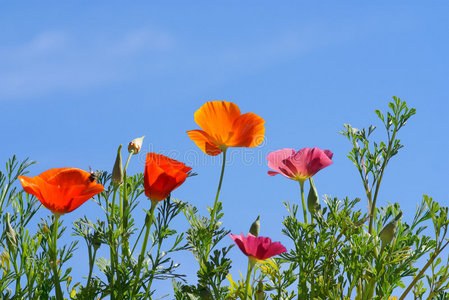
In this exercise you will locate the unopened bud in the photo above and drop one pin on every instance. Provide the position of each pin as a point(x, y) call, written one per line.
point(389, 231)
point(313, 202)
point(135, 145)
point(11, 236)
point(260, 295)
point(96, 241)
point(255, 227)
point(117, 171)
point(205, 294)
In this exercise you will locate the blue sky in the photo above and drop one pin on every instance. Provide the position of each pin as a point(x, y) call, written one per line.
point(78, 80)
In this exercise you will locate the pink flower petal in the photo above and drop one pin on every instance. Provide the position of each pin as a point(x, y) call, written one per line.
point(276, 158)
point(260, 247)
point(300, 165)
point(272, 173)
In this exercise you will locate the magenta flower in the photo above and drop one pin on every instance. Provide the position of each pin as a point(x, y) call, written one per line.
point(299, 165)
point(259, 248)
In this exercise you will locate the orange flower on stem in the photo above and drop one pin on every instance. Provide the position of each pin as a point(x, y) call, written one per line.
point(62, 190)
point(163, 175)
point(224, 126)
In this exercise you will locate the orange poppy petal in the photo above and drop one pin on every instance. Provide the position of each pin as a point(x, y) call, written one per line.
point(162, 175)
point(62, 190)
point(84, 195)
point(249, 131)
point(216, 118)
point(31, 186)
point(204, 142)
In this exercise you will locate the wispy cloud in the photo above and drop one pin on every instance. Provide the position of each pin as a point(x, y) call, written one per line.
point(57, 61)
point(54, 61)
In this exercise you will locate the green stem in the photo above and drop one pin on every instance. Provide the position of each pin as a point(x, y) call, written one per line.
point(214, 210)
point(112, 252)
point(124, 206)
point(251, 264)
point(91, 265)
point(55, 259)
point(144, 247)
point(218, 191)
point(384, 164)
point(304, 209)
point(421, 273)
point(138, 238)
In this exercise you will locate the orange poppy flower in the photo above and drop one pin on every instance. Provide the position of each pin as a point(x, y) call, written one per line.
point(62, 190)
point(162, 175)
point(224, 126)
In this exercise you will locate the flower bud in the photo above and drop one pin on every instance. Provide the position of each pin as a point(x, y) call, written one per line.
point(205, 294)
point(313, 202)
point(259, 293)
point(135, 145)
point(11, 236)
point(255, 227)
point(117, 171)
point(388, 232)
point(96, 241)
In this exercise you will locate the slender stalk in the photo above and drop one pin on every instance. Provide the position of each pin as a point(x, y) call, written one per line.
point(304, 209)
point(214, 211)
point(144, 247)
point(384, 164)
point(124, 202)
point(91, 265)
point(251, 264)
point(111, 248)
point(137, 240)
point(55, 259)
point(421, 273)
point(155, 264)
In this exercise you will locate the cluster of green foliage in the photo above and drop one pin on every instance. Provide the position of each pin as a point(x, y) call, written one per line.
point(344, 253)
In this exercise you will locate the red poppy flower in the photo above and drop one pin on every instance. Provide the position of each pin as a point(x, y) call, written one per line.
point(259, 248)
point(299, 165)
point(224, 126)
point(163, 175)
point(62, 190)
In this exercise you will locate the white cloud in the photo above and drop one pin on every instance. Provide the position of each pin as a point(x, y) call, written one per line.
point(56, 61)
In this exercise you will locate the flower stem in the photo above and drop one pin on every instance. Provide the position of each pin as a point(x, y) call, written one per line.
point(144, 247)
point(91, 265)
point(251, 264)
point(112, 252)
point(55, 259)
point(123, 207)
point(304, 209)
point(214, 211)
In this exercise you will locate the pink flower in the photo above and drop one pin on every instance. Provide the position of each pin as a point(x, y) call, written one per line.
point(299, 165)
point(259, 248)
